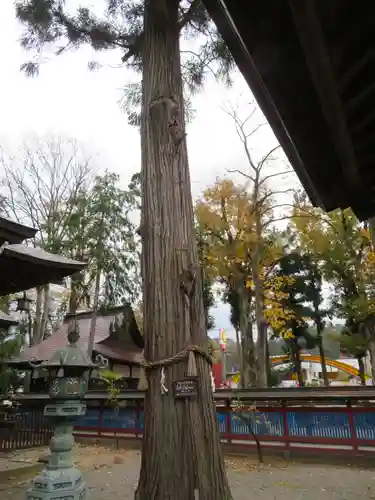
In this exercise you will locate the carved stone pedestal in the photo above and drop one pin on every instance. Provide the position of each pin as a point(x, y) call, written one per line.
point(60, 480)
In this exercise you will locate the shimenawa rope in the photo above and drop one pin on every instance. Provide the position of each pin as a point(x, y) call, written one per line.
point(189, 352)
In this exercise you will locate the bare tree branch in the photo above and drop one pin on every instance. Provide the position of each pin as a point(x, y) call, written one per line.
point(40, 184)
point(270, 176)
point(267, 157)
point(236, 171)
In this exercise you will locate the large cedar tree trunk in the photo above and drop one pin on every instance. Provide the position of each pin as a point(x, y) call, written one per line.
point(181, 453)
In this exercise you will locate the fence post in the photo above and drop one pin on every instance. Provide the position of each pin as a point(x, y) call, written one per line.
point(228, 421)
point(285, 425)
point(137, 410)
point(100, 418)
point(353, 434)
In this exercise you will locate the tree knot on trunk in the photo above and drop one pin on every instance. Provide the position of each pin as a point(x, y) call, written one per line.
point(187, 284)
point(175, 130)
point(171, 106)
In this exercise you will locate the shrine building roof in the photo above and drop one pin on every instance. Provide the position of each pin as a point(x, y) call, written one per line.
point(311, 67)
point(117, 337)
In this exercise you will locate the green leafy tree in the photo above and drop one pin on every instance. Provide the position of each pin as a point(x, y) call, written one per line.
point(112, 378)
point(207, 282)
point(344, 250)
point(300, 293)
point(356, 345)
point(316, 312)
point(101, 232)
point(148, 33)
point(51, 24)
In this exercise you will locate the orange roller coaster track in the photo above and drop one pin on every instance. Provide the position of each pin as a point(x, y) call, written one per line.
point(316, 359)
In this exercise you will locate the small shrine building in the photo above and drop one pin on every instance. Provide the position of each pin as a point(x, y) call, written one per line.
point(118, 346)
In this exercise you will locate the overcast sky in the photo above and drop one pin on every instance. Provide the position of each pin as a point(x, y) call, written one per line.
point(66, 99)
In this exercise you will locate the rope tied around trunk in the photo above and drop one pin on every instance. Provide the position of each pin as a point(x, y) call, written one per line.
point(189, 352)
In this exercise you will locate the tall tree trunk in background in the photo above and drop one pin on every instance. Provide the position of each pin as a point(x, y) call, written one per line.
point(371, 346)
point(248, 375)
point(46, 292)
point(37, 323)
point(94, 316)
point(323, 359)
point(73, 298)
point(368, 331)
point(240, 357)
point(361, 369)
point(181, 452)
point(297, 360)
point(268, 364)
point(261, 345)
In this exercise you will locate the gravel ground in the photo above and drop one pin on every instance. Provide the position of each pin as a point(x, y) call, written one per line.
point(113, 476)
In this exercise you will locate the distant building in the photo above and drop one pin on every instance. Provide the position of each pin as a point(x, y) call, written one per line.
point(118, 345)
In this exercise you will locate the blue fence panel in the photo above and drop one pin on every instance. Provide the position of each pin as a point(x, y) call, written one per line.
point(90, 419)
point(221, 417)
point(364, 425)
point(119, 418)
point(319, 424)
point(222, 421)
point(263, 423)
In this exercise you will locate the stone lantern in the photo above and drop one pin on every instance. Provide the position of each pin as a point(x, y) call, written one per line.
point(68, 370)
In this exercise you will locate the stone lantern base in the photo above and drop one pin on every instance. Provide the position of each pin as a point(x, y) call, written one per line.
point(58, 485)
point(60, 480)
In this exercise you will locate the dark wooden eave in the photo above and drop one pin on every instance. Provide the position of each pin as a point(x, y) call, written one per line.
point(23, 267)
point(14, 232)
point(311, 66)
point(6, 320)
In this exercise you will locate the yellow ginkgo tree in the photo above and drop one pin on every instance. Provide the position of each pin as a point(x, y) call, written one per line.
point(225, 215)
point(344, 249)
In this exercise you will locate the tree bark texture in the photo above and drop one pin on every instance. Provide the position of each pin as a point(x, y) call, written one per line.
point(37, 336)
point(248, 347)
point(371, 346)
point(94, 317)
point(181, 452)
point(240, 357)
point(298, 364)
point(323, 360)
point(361, 369)
point(43, 327)
point(268, 364)
point(261, 345)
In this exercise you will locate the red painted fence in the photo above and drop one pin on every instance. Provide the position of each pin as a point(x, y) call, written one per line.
point(343, 429)
point(329, 428)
